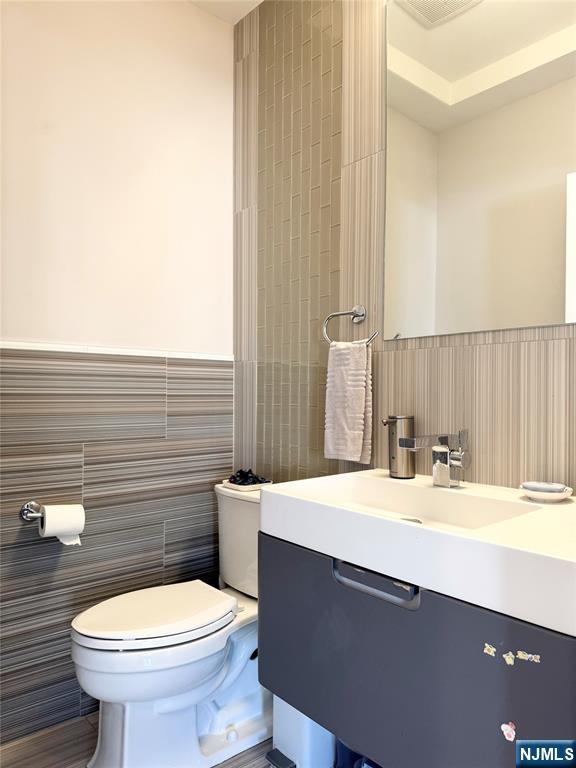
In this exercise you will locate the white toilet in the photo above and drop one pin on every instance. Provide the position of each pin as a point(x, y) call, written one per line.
point(175, 667)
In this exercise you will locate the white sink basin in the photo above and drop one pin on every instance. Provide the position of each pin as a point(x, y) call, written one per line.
point(420, 503)
point(486, 545)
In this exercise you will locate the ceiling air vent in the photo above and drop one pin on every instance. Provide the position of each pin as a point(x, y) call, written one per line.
point(432, 13)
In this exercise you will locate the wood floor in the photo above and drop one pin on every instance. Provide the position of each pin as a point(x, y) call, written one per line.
point(71, 744)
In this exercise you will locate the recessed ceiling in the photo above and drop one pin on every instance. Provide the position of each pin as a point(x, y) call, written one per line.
point(227, 10)
point(480, 36)
point(493, 53)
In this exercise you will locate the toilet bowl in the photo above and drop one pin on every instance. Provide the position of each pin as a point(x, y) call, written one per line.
point(175, 666)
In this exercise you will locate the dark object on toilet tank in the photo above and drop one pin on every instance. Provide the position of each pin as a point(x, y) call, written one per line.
point(246, 477)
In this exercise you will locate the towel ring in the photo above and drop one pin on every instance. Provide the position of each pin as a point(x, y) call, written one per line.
point(358, 315)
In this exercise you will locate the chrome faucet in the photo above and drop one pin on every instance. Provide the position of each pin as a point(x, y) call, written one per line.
point(450, 455)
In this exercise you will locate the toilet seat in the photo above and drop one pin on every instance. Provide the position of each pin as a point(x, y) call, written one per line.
point(157, 617)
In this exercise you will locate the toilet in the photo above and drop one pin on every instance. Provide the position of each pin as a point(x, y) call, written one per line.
point(175, 667)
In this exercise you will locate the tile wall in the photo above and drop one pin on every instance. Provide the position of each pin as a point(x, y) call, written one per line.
point(140, 441)
point(246, 35)
point(299, 117)
point(318, 99)
point(515, 391)
point(317, 106)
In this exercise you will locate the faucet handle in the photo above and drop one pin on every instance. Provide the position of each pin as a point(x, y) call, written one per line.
point(463, 440)
point(460, 458)
point(424, 441)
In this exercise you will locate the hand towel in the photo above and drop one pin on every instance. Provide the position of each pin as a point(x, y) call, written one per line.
point(348, 432)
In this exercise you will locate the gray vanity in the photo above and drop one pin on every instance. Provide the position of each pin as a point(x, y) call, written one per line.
point(412, 672)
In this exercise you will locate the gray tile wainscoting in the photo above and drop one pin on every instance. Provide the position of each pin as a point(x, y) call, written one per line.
point(140, 441)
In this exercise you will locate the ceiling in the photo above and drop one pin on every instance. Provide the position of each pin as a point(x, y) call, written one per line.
point(227, 10)
point(480, 36)
point(492, 54)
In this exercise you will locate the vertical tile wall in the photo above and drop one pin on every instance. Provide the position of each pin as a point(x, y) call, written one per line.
point(246, 34)
point(321, 100)
point(515, 391)
point(141, 441)
point(299, 189)
point(364, 162)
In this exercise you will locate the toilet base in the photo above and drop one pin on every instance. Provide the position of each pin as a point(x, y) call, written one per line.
point(169, 740)
point(195, 729)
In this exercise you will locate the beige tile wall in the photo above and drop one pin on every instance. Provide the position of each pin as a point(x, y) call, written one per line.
point(516, 397)
point(320, 247)
point(299, 179)
point(364, 162)
point(245, 236)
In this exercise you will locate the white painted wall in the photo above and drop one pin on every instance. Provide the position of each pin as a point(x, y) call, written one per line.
point(117, 175)
point(502, 214)
point(411, 227)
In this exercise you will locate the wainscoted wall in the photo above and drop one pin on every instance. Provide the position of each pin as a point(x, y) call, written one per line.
point(141, 441)
point(320, 247)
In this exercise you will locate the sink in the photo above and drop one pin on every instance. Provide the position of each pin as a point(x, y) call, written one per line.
point(417, 502)
point(486, 545)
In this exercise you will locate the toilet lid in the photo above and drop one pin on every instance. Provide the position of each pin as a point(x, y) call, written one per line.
point(191, 608)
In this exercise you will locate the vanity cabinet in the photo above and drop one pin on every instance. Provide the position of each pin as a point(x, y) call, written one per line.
point(406, 676)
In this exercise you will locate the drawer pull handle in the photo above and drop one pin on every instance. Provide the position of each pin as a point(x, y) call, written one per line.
point(410, 604)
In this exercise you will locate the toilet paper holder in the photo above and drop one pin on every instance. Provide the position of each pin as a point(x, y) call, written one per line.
point(31, 511)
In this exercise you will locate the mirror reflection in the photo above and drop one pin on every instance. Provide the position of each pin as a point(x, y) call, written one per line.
point(481, 162)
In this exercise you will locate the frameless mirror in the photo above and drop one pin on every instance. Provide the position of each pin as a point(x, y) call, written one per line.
point(481, 162)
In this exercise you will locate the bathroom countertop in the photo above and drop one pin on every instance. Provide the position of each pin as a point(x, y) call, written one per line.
point(523, 566)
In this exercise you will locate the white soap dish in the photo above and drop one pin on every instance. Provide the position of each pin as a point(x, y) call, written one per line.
point(547, 492)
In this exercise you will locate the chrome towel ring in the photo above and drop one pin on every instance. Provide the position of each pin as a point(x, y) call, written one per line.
point(358, 315)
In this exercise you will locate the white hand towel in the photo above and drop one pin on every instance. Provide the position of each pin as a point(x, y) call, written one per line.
point(348, 433)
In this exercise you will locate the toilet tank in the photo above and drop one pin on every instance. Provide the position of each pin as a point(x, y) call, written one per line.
point(238, 525)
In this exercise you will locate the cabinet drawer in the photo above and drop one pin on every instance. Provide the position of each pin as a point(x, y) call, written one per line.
point(401, 674)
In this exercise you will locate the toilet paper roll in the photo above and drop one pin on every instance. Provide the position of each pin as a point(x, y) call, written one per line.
point(65, 521)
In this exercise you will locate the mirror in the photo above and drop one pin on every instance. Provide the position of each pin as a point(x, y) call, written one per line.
point(481, 162)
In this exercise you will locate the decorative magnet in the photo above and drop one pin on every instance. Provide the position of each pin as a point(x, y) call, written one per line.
point(509, 731)
point(534, 657)
point(509, 658)
point(489, 650)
